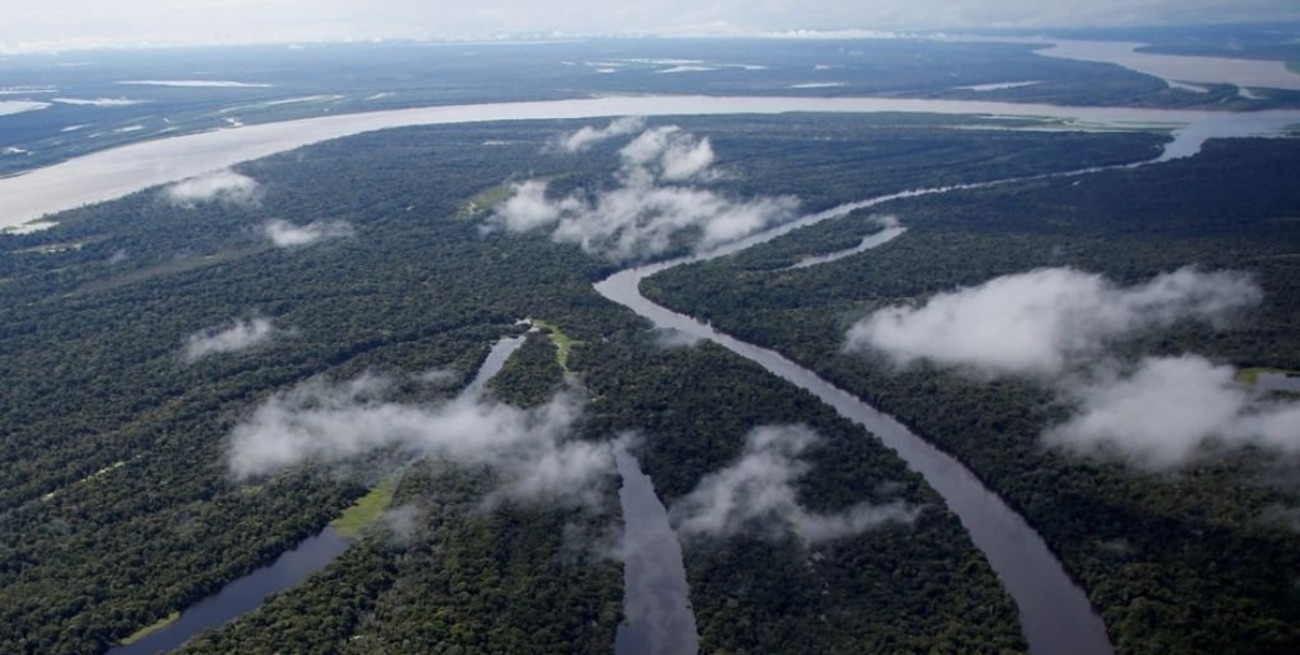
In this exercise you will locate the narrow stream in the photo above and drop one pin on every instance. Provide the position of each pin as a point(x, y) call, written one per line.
point(312, 554)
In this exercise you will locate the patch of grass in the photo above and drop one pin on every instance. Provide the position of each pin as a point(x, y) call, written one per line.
point(563, 342)
point(89, 478)
point(169, 268)
point(151, 628)
point(365, 511)
point(485, 200)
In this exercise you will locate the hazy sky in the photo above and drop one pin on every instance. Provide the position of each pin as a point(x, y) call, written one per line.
point(73, 23)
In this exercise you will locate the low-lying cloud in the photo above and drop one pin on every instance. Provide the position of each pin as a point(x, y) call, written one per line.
point(1169, 410)
point(232, 337)
point(756, 495)
point(669, 153)
point(674, 338)
point(588, 136)
point(287, 235)
point(1045, 321)
point(320, 421)
point(218, 186)
point(1060, 326)
point(658, 201)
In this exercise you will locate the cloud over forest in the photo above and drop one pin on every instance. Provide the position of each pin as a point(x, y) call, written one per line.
point(530, 449)
point(1060, 326)
point(235, 336)
point(588, 136)
point(1044, 321)
point(756, 495)
point(287, 235)
point(1168, 410)
point(660, 198)
point(218, 186)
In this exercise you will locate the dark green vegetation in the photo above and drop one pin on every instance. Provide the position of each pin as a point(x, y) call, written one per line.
point(90, 348)
point(1200, 560)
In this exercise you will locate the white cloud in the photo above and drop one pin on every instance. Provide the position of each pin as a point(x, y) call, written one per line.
point(402, 522)
point(1044, 321)
point(670, 153)
point(1060, 324)
point(1165, 412)
point(674, 338)
point(234, 337)
point(529, 208)
point(218, 186)
point(756, 495)
point(440, 377)
point(323, 422)
point(287, 235)
point(588, 136)
point(650, 209)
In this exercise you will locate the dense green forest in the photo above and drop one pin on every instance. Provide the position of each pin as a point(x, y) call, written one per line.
point(117, 508)
point(1200, 559)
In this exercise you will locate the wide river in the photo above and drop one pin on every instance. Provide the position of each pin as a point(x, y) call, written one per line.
point(113, 173)
point(1055, 614)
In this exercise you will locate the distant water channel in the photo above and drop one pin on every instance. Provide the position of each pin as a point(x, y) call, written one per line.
point(312, 554)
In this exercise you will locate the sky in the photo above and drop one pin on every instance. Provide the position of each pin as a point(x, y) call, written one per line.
point(72, 24)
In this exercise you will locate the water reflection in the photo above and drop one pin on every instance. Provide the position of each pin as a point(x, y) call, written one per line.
point(656, 606)
point(243, 595)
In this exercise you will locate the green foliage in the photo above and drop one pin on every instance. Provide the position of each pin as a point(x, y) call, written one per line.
point(365, 511)
point(531, 376)
point(563, 343)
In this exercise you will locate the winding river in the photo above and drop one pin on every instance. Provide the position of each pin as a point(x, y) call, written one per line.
point(1055, 614)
